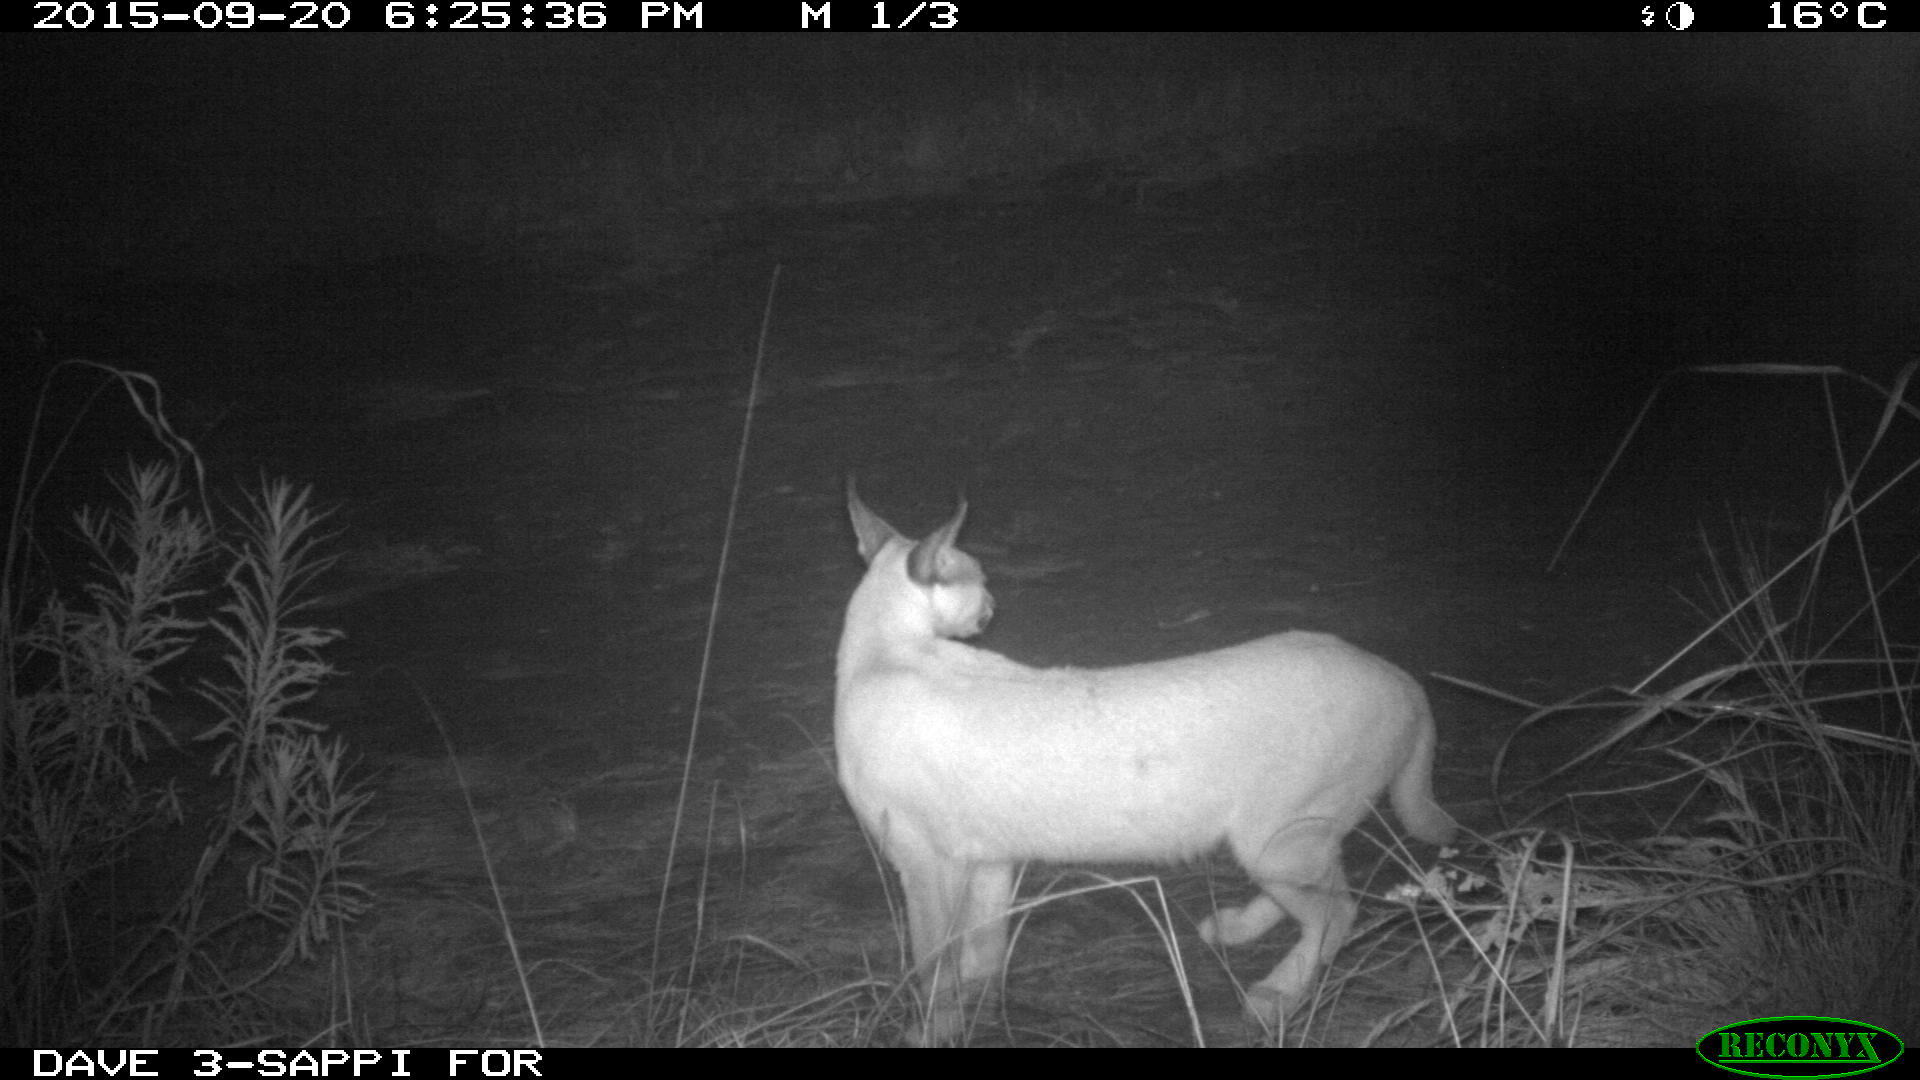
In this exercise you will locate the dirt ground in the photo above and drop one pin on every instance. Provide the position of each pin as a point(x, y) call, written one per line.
point(1361, 390)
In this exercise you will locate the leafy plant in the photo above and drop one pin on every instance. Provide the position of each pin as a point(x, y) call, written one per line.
point(86, 805)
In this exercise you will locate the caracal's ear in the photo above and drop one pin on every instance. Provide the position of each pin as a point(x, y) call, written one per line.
point(923, 566)
point(867, 526)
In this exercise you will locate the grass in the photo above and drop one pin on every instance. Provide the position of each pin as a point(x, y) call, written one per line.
point(679, 902)
point(1783, 876)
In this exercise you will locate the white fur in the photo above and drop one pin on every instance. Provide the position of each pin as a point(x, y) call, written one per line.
point(962, 764)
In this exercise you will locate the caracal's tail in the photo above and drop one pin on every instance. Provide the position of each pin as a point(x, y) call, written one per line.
point(1413, 788)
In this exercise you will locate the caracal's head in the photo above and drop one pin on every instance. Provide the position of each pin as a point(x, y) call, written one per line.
point(929, 586)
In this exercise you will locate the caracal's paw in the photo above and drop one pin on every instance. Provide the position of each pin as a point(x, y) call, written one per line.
point(1239, 925)
point(942, 1027)
point(1270, 1007)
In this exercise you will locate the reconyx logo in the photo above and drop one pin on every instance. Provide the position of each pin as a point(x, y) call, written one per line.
point(1799, 1047)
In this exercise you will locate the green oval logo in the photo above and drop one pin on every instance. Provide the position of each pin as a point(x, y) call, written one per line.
point(1799, 1047)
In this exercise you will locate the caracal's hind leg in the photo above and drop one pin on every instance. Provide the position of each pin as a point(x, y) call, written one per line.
point(1299, 873)
point(1265, 855)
